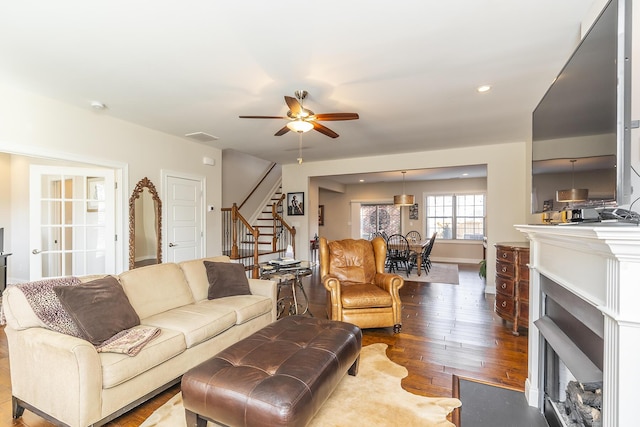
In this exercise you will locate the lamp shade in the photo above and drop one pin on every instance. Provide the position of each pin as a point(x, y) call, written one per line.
point(572, 195)
point(300, 126)
point(404, 200)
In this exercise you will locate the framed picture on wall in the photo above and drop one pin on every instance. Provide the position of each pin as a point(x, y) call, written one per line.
point(295, 203)
point(413, 211)
point(321, 215)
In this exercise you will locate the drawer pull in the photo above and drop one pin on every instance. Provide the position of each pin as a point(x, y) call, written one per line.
point(504, 269)
point(504, 255)
point(504, 286)
point(504, 304)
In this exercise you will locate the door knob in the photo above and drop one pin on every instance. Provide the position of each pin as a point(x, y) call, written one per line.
point(36, 251)
point(172, 244)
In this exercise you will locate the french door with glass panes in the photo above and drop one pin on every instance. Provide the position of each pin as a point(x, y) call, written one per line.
point(72, 221)
point(379, 218)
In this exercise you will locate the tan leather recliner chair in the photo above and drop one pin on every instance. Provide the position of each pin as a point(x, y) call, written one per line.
point(359, 291)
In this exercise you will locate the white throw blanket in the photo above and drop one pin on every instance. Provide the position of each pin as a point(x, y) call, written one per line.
point(129, 341)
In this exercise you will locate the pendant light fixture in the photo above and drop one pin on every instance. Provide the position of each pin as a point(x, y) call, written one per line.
point(403, 199)
point(573, 194)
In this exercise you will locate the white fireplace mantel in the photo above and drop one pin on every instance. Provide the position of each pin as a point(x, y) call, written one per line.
point(601, 264)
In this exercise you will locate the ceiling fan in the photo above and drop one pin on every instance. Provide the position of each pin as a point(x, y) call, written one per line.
point(303, 120)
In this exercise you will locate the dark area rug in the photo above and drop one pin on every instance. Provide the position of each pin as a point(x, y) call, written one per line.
point(485, 405)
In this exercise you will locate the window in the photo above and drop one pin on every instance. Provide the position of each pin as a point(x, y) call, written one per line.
point(379, 218)
point(456, 216)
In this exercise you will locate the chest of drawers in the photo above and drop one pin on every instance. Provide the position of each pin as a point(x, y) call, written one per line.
point(512, 283)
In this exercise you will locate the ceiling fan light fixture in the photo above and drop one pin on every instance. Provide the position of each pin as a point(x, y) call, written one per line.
point(300, 126)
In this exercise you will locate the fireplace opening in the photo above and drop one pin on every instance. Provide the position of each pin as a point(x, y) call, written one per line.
point(572, 331)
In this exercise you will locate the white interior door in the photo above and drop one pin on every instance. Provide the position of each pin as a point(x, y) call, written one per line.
point(72, 221)
point(184, 207)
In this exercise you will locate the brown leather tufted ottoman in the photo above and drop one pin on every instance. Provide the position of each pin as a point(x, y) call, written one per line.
point(279, 376)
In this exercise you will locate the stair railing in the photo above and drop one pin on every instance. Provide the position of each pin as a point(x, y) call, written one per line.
point(281, 239)
point(239, 239)
point(266, 174)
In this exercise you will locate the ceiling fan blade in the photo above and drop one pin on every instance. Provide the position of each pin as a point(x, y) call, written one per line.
point(337, 116)
point(262, 117)
point(294, 105)
point(282, 131)
point(324, 130)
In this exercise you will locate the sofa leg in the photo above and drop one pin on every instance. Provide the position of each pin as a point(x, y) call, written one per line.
point(194, 420)
point(396, 328)
point(16, 409)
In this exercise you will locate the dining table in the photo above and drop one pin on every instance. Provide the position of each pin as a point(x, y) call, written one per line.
point(416, 246)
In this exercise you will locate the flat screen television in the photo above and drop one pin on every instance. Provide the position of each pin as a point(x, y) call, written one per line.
point(581, 127)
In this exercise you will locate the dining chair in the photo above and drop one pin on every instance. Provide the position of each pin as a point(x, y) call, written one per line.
point(426, 254)
point(413, 236)
point(399, 254)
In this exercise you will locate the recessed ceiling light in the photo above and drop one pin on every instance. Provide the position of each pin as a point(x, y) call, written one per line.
point(484, 88)
point(362, 180)
point(465, 174)
point(97, 105)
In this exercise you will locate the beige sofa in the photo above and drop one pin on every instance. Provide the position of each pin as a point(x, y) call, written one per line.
point(64, 378)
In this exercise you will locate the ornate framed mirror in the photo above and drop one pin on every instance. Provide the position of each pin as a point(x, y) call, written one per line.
point(145, 225)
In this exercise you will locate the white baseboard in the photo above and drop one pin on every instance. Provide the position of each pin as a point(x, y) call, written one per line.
point(455, 260)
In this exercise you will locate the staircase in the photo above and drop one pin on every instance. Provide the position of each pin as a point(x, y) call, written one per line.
point(266, 239)
point(268, 228)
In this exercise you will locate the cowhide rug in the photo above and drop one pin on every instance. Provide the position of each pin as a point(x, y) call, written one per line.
point(372, 398)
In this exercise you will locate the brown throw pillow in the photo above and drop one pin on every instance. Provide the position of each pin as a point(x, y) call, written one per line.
point(100, 308)
point(226, 279)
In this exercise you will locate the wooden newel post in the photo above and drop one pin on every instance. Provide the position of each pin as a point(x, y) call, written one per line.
point(234, 228)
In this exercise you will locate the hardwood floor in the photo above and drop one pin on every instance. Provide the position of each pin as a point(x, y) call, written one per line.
point(447, 329)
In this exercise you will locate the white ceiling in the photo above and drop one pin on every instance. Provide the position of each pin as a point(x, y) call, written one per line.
point(410, 69)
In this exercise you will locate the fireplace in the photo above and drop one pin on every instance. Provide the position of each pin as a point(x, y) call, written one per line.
point(572, 332)
point(584, 309)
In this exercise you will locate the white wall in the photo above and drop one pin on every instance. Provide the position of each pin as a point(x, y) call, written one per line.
point(507, 193)
point(236, 164)
point(5, 194)
point(37, 126)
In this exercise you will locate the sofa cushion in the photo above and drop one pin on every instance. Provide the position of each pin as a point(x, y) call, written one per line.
point(226, 279)
point(197, 322)
point(246, 307)
point(118, 368)
point(196, 275)
point(364, 295)
point(156, 288)
point(99, 308)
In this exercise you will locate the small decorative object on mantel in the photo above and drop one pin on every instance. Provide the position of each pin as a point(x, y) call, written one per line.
point(295, 203)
